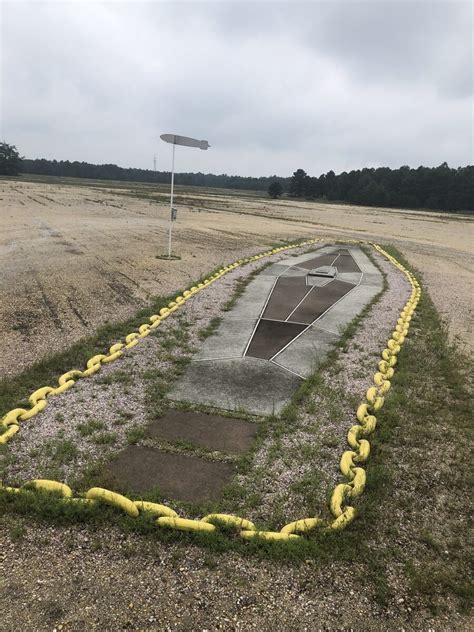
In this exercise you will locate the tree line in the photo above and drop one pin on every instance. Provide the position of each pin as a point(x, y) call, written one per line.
point(41, 166)
point(439, 188)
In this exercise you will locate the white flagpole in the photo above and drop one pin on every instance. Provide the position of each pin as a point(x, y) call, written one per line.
point(171, 203)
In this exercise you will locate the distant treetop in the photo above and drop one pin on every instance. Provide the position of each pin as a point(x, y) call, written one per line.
point(10, 161)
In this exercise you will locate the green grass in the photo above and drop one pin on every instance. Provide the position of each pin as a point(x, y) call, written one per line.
point(90, 427)
point(135, 434)
point(105, 438)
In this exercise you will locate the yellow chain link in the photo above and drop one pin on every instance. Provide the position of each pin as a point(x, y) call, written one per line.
point(354, 486)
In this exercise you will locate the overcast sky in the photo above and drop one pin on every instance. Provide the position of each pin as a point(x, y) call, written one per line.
point(272, 86)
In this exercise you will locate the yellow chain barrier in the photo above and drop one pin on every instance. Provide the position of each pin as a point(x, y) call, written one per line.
point(342, 512)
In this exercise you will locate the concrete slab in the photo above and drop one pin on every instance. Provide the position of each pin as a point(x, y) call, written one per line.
point(350, 277)
point(275, 269)
point(345, 263)
point(255, 384)
point(230, 341)
point(295, 271)
point(140, 470)
point(250, 384)
point(245, 309)
point(309, 255)
point(307, 352)
point(365, 264)
point(317, 262)
point(213, 432)
point(373, 279)
point(318, 281)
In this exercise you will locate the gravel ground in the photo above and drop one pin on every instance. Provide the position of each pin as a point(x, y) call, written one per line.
point(76, 579)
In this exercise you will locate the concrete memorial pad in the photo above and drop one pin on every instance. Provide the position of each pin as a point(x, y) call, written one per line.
point(213, 432)
point(140, 470)
point(280, 331)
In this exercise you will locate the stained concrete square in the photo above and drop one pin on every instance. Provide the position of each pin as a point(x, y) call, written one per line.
point(322, 260)
point(140, 470)
point(345, 263)
point(271, 336)
point(213, 432)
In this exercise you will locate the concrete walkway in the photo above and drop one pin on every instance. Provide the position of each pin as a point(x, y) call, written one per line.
point(280, 331)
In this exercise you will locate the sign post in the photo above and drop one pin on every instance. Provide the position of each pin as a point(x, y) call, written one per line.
point(186, 142)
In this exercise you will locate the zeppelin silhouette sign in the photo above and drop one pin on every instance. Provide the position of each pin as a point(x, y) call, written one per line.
point(185, 141)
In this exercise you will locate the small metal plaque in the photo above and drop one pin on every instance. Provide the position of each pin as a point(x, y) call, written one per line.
point(328, 272)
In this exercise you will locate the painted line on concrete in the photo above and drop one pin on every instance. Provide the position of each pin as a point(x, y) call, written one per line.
point(287, 369)
point(218, 358)
point(338, 301)
point(348, 283)
point(290, 343)
point(328, 331)
point(276, 320)
point(314, 321)
point(304, 297)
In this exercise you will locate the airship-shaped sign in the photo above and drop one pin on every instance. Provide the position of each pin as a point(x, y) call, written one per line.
point(184, 140)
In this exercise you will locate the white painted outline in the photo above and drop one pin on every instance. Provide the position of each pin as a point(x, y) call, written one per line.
point(287, 369)
point(259, 319)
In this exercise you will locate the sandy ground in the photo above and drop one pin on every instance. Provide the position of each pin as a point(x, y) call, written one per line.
point(68, 264)
point(75, 257)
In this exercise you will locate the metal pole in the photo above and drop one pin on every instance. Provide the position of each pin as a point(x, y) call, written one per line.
point(171, 203)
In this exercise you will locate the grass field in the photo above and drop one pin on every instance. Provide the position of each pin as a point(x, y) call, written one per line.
point(82, 255)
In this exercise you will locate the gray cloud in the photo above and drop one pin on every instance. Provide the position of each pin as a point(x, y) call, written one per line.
point(273, 87)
